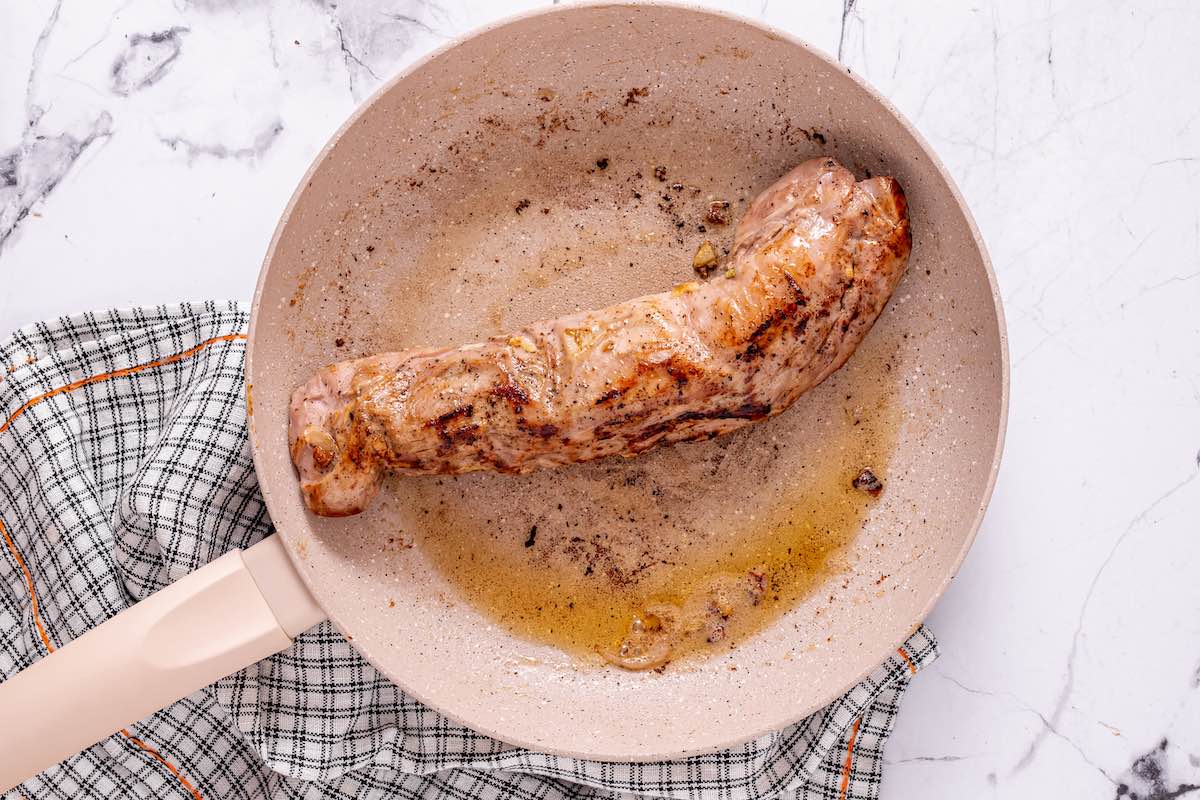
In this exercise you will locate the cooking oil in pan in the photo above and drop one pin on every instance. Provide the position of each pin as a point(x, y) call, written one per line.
point(569, 557)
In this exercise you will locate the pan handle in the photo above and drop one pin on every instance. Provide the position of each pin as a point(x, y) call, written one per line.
point(240, 608)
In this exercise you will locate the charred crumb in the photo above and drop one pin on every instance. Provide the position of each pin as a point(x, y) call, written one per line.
point(868, 482)
point(718, 212)
point(545, 211)
point(602, 163)
point(633, 95)
point(339, 342)
point(370, 248)
point(521, 206)
point(660, 173)
point(813, 135)
point(531, 539)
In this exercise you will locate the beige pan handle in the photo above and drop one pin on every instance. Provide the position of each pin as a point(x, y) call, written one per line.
point(239, 609)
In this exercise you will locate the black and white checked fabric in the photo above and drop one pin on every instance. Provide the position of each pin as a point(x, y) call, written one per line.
point(124, 465)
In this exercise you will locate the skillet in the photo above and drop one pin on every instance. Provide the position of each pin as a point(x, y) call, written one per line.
point(518, 174)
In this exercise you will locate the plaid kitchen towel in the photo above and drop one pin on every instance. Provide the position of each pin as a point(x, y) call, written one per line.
point(124, 465)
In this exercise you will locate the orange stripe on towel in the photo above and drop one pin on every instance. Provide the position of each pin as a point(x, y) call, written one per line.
point(119, 373)
point(907, 660)
point(37, 619)
point(849, 758)
point(171, 767)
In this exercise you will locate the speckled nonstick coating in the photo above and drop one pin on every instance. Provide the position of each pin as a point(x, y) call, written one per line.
point(406, 232)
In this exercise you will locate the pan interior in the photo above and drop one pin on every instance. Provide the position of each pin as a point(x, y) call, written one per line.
point(565, 161)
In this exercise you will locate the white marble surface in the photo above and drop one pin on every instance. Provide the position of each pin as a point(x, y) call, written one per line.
point(147, 148)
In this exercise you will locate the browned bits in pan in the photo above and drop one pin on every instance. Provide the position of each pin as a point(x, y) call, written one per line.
point(521, 206)
point(631, 97)
point(868, 482)
point(660, 173)
point(718, 212)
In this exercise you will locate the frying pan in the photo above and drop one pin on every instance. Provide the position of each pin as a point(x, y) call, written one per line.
point(539, 166)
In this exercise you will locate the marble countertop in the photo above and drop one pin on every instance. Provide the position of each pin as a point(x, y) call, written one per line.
point(147, 149)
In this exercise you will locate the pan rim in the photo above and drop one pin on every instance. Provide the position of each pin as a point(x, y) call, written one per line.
point(800, 711)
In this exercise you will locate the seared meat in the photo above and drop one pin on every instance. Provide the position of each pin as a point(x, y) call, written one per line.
point(815, 259)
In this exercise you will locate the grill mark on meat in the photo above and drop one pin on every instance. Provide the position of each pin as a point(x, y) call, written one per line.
point(774, 323)
point(748, 410)
point(513, 393)
point(751, 411)
point(452, 436)
point(544, 431)
point(611, 394)
point(797, 292)
point(444, 420)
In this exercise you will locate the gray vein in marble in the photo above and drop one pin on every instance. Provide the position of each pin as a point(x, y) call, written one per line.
point(1050, 49)
point(35, 62)
point(100, 39)
point(1146, 778)
point(349, 57)
point(256, 149)
point(847, 8)
point(32, 169)
point(408, 19)
point(1191, 276)
point(8, 170)
point(920, 759)
point(272, 39)
point(147, 60)
point(995, 82)
point(1064, 695)
point(1048, 727)
point(369, 47)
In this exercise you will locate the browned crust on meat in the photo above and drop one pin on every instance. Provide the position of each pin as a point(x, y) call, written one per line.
point(817, 257)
